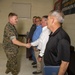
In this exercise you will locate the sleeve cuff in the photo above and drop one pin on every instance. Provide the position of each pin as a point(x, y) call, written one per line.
point(32, 44)
point(12, 37)
point(40, 56)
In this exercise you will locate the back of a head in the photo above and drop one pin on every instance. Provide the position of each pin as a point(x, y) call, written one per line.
point(58, 14)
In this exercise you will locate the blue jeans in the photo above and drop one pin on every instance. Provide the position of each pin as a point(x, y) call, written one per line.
point(33, 55)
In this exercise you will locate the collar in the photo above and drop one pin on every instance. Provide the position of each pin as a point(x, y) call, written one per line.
point(53, 34)
point(39, 26)
point(44, 28)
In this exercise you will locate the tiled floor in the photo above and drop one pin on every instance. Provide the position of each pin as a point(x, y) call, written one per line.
point(26, 67)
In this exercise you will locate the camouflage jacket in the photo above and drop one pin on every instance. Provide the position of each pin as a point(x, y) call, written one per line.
point(9, 31)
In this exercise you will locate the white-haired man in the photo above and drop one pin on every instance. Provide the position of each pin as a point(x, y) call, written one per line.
point(57, 52)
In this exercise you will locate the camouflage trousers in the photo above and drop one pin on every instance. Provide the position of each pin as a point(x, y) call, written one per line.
point(12, 64)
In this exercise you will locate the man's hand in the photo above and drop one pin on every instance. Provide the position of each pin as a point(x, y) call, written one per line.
point(39, 59)
point(28, 45)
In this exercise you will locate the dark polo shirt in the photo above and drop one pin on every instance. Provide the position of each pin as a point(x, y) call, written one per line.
point(57, 48)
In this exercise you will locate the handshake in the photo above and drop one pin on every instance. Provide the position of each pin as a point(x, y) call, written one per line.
point(28, 45)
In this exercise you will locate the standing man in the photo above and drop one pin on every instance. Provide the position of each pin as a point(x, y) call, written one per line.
point(10, 44)
point(29, 39)
point(36, 35)
point(57, 52)
point(32, 29)
point(41, 44)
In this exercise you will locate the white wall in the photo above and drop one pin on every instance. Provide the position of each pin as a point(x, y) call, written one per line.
point(39, 8)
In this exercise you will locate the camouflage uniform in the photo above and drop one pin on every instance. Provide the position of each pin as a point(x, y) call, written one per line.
point(10, 49)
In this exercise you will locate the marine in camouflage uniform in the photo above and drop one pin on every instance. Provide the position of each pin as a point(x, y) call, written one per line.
point(10, 49)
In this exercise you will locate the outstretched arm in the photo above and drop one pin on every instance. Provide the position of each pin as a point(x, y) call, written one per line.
point(28, 45)
point(16, 42)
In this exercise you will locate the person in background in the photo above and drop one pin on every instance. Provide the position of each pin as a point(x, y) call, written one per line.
point(32, 29)
point(36, 34)
point(10, 44)
point(57, 52)
point(29, 39)
point(41, 43)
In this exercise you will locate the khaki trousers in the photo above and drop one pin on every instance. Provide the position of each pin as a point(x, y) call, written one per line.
point(39, 65)
point(43, 66)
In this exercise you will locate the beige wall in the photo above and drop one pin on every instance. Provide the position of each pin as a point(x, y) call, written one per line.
point(69, 26)
point(39, 8)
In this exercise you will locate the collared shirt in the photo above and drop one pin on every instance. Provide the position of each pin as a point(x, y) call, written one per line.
point(41, 42)
point(37, 33)
point(57, 48)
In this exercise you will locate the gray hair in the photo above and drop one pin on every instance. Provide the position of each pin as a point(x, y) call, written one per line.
point(59, 15)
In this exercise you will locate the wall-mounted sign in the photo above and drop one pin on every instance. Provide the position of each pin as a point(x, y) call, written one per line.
point(68, 6)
